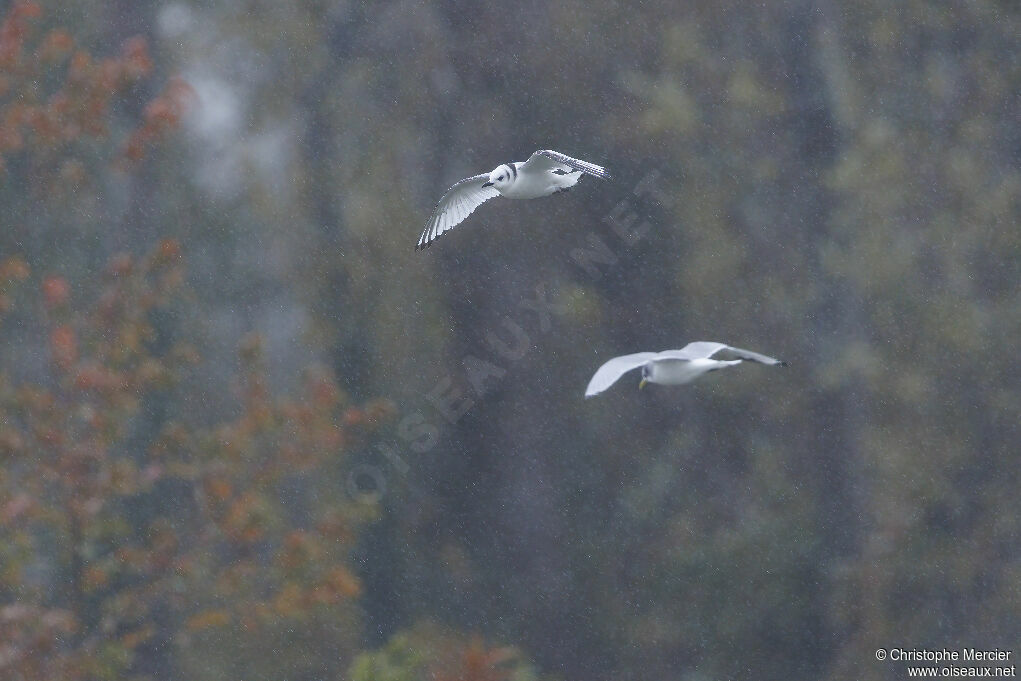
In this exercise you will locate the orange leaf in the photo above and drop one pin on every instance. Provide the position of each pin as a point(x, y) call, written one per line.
point(55, 291)
point(14, 269)
point(169, 249)
point(344, 582)
point(208, 619)
point(288, 601)
point(15, 507)
point(219, 489)
point(64, 346)
point(95, 578)
point(136, 56)
point(57, 43)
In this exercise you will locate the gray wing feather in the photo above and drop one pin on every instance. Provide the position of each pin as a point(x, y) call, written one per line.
point(547, 159)
point(719, 351)
point(697, 350)
point(611, 371)
point(457, 204)
point(747, 355)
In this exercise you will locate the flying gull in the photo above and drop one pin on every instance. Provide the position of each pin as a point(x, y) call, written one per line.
point(674, 367)
point(545, 172)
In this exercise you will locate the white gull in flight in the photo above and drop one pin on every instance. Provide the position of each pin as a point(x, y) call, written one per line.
point(675, 367)
point(545, 172)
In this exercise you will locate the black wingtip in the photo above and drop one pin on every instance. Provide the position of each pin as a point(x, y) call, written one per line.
point(783, 363)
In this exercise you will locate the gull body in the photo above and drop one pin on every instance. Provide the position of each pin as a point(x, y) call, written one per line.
point(545, 172)
point(680, 372)
point(675, 367)
point(513, 183)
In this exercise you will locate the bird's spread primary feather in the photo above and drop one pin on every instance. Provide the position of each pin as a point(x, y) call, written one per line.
point(457, 204)
point(545, 172)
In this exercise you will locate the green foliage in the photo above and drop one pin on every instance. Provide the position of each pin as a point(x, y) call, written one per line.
point(426, 653)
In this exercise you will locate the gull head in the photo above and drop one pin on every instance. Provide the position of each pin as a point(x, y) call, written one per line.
point(646, 375)
point(502, 176)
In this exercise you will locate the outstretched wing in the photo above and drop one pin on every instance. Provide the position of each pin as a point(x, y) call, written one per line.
point(729, 352)
point(548, 160)
point(718, 351)
point(609, 373)
point(697, 350)
point(457, 204)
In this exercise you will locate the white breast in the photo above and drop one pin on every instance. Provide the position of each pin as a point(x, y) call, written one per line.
point(536, 184)
point(678, 372)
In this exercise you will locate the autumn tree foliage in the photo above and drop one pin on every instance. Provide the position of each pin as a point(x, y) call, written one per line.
point(140, 537)
point(135, 542)
point(55, 95)
point(211, 542)
point(430, 653)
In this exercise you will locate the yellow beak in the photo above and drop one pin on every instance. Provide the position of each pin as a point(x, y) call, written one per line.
point(642, 384)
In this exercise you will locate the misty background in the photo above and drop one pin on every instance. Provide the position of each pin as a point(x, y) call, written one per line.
point(246, 431)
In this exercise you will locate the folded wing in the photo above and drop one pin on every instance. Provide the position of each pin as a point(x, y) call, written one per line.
point(456, 205)
point(548, 160)
point(609, 373)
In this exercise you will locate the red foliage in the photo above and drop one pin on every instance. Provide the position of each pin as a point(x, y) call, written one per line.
point(31, 638)
point(477, 662)
point(55, 291)
point(223, 545)
point(14, 269)
point(161, 115)
point(14, 29)
point(67, 467)
point(63, 347)
point(46, 122)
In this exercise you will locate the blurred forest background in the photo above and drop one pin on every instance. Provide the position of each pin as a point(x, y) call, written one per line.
point(247, 432)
